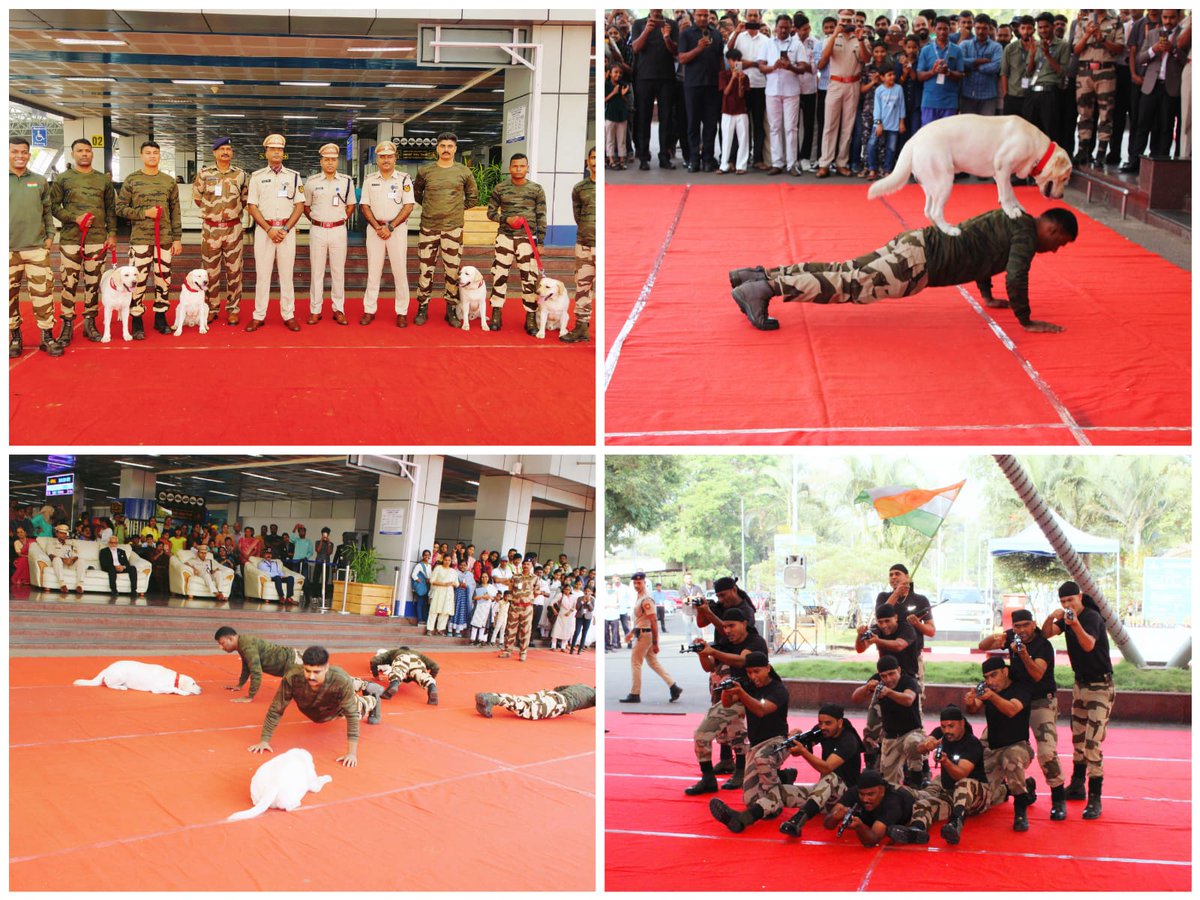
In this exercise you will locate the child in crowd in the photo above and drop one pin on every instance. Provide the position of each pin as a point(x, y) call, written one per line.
point(616, 117)
point(888, 124)
point(485, 604)
point(735, 119)
point(501, 619)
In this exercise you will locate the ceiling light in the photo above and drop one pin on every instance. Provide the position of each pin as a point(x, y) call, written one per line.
point(168, 484)
point(222, 494)
point(497, 90)
point(194, 81)
point(323, 472)
point(305, 83)
point(269, 491)
point(378, 49)
point(213, 480)
point(373, 118)
point(97, 490)
point(87, 42)
point(299, 117)
point(471, 109)
point(88, 78)
point(415, 87)
point(228, 115)
point(125, 462)
point(326, 490)
point(348, 105)
point(476, 483)
point(263, 477)
point(418, 131)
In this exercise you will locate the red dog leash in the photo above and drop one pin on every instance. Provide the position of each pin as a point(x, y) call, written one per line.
point(158, 211)
point(83, 230)
point(537, 257)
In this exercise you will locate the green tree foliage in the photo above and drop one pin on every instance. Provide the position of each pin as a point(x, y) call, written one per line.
point(639, 492)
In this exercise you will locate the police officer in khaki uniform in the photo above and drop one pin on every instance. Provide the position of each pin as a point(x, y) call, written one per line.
point(387, 202)
point(275, 202)
point(29, 240)
point(1100, 40)
point(517, 204)
point(150, 200)
point(583, 203)
point(328, 203)
point(220, 192)
point(81, 197)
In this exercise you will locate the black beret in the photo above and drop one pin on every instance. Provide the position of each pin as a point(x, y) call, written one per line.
point(992, 663)
point(725, 584)
point(734, 615)
point(1022, 615)
point(951, 713)
point(756, 660)
point(869, 778)
point(886, 663)
point(1068, 589)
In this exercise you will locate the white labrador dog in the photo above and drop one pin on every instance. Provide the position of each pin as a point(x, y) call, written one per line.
point(472, 298)
point(553, 304)
point(282, 782)
point(986, 146)
point(128, 675)
point(193, 308)
point(116, 296)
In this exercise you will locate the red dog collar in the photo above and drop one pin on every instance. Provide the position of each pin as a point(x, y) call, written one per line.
point(177, 680)
point(1037, 170)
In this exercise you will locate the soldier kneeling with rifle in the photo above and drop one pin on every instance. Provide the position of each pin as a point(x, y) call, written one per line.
point(839, 765)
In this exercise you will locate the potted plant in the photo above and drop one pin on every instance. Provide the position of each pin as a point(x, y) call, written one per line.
point(361, 594)
point(478, 229)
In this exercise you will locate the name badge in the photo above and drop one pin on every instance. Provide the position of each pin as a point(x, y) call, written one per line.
point(282, 191)
point(941, 79)
point(217, 189)
point(337, 199)
point(392, 192)
point(1025, 82)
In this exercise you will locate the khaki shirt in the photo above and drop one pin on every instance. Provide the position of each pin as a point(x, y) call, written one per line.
point(1013, 66)
point(385, 197)
point(327, 198)
point(275, 196)
point(844, 61)
point(1043, 74)
point(645, 613)
point(64, 550)
point(221, 195)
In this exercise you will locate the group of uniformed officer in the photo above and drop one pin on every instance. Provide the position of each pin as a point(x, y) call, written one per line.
point(275, 197)
point(877, 785)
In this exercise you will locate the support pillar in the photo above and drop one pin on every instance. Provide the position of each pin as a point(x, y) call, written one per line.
point(580, 542)
point(502, 513)
point(419, 503)
point(90, 128)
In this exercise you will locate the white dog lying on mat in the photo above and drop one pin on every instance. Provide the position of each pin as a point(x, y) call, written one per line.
point(553, 304)
point(193, 308)
point(987, 146)
point(281, 783)
point(472, 298)
point(128, 675)
point(116, 296)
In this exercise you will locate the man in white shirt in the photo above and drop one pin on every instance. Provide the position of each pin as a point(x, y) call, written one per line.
point(808, 92)
point(328, 203)
point(387, 202)
point(749, 40)
point(203, 567)
point(786, 59)
point(65, 555)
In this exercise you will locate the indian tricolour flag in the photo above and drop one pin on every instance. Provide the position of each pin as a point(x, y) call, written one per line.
point(922, 510)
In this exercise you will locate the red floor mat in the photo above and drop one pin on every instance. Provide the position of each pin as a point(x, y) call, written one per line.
point(1142, 842)
point(120, 790)
point(370, 385)
point(925, 369)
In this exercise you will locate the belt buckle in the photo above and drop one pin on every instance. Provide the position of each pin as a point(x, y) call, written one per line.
point(1095, 66)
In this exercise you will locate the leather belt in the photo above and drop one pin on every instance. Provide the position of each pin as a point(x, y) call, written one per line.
point(1099, 67)
point(844, 79)
point(277, 223)
point(221, 224)
point(521, 603)
point(1040, 88)
point(330, 224)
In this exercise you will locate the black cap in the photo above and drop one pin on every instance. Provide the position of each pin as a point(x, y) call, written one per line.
point(992, 663)
point(899, 567)
point(833, 710)
point(951, 713)
point(734, 615)
point(725, 584)
point(870, 778)
point(886, 664)
point(1022, 615)
point(757, 660)
point(221, 142)
point(1068, 589)
point(639, 576)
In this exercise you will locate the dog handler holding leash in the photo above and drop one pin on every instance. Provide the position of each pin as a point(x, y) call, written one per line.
point(515, 204)
point(150, 200)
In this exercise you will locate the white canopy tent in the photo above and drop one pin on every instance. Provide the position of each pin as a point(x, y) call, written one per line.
point(1033, 542)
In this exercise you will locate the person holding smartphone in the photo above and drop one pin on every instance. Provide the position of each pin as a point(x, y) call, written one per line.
point(846, 51)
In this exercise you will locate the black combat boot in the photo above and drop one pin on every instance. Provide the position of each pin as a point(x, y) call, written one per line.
point(422, 315)
point(787, 776)
point(15, 347)
point(452, 315)
point(1092, 810)
point(707, 783)
point(1101, 152)
point(49, 345)
point(1084, 155)
point(1020, 819)
point(912, 779)
point(432, 691)
point(494, 322)
point(135, 326)
point(376, 691)
point(530, 323)
point(66, 333)
point(738, 277)
point(926, 775)
point(160, 323)
point(1058, 803)
point(739, 773)
point(676, 692)
point(1075, 790)
point(908, 834)
point(578, 334)
point(725, 765)
point(793, 825)
point(484, 702)
point(734, 821)
point(90, 331)
point(952, 830)
point(390, 691)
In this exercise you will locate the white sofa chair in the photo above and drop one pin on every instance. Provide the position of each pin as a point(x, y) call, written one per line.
point(185, 582)
point(95, 581)
point(258, 585)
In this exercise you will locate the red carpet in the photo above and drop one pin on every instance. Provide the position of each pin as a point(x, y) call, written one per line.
point(922, 370)
point(323, 385)
point(127, 791)
point(658, 839)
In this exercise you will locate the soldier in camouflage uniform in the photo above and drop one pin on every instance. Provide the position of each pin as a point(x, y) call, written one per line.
point(29, 238)
point(566, 698)
point(514, 203)
point(1093, 694)
point(146, 196)
point(403, 664)
point(926, 257)
point(520, 612)
point(258, 656)
point(323, 692)
point(583, 202)
point(220, 192)
point(445, 189)
point(1099, 42)
point(75, 195)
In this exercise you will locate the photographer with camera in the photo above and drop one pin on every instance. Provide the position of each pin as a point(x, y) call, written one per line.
point(725, 724)
point(838, 765)
point(765, 699)
point(1007, 753)
point(961, 792)
point(1032, 665)
point(896, 695)
point(1093, 693)
point(729, 597)
point(894, 638)
point(871, 808)
point(846, 51)
point(645, 647)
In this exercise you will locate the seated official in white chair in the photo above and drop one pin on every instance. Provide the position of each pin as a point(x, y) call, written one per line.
point(114, 561)
point(203, 568)
point(275, 571)
point(64, 554)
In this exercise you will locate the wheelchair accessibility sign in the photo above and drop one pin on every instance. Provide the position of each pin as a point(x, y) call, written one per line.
point(40, 137)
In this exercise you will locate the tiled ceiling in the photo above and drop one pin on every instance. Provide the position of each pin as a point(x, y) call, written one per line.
point(251, 54)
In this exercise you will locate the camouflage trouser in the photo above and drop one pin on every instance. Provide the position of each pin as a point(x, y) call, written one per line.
point(145, 260)
point(516, 629)
point(34, 265)
point(824, 793)
point(585, 281)
point(725, 724)
point(429, 244)
point(1091, 706)
point(1005, 768)
point(1094, 89)
point(542, 705)
point(407, 669)
point(873, 730)
point(221, 250)
point(643, 652)
point(1043, 721)
point(895, 270)
point(92, 260)
point(901, 753)
point(366, 702)
point(935, 803)
point(760, 785)
point(520, 251)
